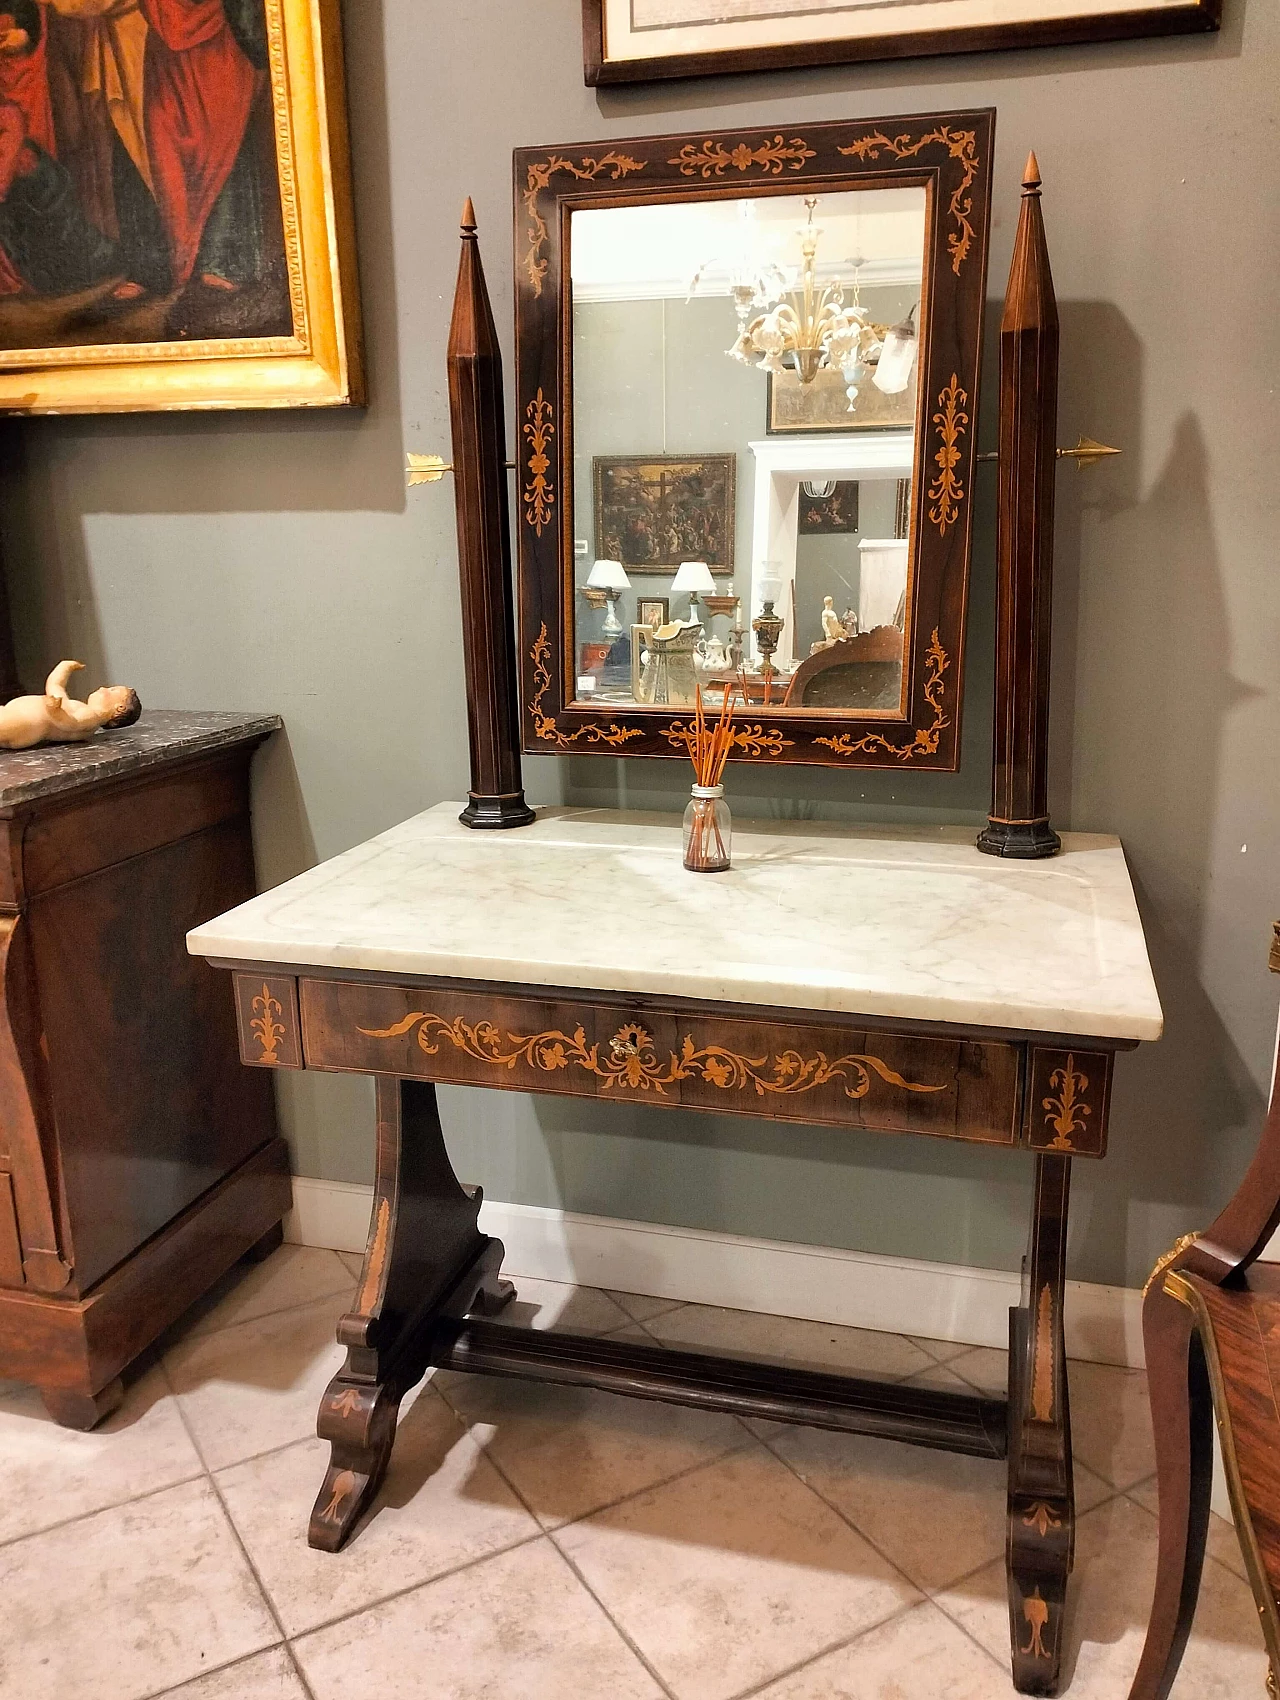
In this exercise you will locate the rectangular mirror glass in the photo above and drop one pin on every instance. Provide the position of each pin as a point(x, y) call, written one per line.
point(744, 402)
point(748, 373)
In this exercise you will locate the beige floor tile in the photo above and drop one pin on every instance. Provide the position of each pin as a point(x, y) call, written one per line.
point(816, 1345)
point(442, 1505)
point(919, 1655)
point(936, 1515)
point(640, 1306)
point(570, 1450)
point(1108, 1607)
point(730, 1575)
point(51, 1474)
point(942, 1351)
point(568, 1310)
point(984, 1368)
point(258, 1384)
point(266, 1676)
point(1223, 1543)
point(1111, 1422)
point(354, 1261)
point(130, 1601)
point(517, 1627)
point(293, 1275)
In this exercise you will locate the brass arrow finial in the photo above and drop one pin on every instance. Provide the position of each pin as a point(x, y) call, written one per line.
point(425, 469)
point(1031, 175)
point(1088, 453)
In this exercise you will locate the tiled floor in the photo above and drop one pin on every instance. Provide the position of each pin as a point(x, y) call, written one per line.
point(537, 1543)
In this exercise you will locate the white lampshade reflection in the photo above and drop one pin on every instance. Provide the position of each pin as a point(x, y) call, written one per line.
point(694, 576)
point(608, 575)
point(893, 370)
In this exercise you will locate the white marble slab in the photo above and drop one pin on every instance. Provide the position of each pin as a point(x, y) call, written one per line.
point(889, 921)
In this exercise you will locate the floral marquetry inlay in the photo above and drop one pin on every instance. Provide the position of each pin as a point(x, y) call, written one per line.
point(1065, 1110)
point(539, 490)
point(947, 489)
point(962, 146)
point(266, 1028)
point(631, 1063)
point(926, 740)
point(544, 726)
point(713, 159)
point(612, 164)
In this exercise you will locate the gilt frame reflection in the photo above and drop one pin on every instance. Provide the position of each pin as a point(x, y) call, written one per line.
point(949, 157)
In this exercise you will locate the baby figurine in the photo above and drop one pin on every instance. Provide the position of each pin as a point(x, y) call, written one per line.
point(56, 718)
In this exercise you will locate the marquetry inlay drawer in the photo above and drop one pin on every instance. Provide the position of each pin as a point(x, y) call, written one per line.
point(785, 1070)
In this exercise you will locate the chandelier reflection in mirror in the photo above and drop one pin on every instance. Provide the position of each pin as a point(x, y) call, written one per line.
point(806, 325)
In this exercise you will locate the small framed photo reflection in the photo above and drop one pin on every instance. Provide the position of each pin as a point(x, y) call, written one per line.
point(653, 611)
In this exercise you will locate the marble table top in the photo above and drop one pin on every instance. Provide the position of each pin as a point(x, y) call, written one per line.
point(162, 735)
point(894, 921)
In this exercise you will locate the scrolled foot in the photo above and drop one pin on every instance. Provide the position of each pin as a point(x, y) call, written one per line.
point(493, 1297)
point(360, 1424)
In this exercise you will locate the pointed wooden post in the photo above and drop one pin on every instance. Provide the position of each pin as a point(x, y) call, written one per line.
point(1019, 820)
point(484, 548)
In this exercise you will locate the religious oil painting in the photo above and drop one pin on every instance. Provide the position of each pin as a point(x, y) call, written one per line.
point(654, 511)
point(175, 219)
point(629, 41)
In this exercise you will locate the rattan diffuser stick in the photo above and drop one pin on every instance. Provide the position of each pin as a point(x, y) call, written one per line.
point(706, 821)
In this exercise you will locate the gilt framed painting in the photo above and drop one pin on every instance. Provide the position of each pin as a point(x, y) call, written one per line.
point(175, 207)
point(639, 41)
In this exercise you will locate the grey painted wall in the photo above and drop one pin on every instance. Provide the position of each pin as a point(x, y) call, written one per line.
point(275, 563)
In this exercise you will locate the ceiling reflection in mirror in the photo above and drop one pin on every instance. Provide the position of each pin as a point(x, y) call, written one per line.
point(744, 409)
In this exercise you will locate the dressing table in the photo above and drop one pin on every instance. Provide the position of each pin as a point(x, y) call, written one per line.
point(898, 980)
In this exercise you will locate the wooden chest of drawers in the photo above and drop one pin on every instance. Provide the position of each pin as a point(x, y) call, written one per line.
point(138, 1161)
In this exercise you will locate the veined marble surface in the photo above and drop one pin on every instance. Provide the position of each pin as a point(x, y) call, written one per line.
point(890, 921)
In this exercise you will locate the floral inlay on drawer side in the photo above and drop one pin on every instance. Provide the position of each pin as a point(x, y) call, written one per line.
point(267, 1017)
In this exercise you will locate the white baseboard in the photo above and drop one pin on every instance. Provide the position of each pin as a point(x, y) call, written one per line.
point(896, 1295)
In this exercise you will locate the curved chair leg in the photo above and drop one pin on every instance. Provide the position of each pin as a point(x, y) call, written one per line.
point(1182, 1409)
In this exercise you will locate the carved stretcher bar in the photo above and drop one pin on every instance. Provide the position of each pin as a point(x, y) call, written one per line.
point(874, 978)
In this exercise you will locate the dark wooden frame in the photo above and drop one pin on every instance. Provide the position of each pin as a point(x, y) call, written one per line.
point(1194, 17)
point(949, 154)
point(729, 464)
point(431, 1280)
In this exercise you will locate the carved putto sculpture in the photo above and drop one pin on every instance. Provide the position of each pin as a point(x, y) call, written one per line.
point(56, 718)
point(832, 628)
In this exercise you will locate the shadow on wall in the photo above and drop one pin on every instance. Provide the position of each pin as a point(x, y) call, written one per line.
point(1153, 691)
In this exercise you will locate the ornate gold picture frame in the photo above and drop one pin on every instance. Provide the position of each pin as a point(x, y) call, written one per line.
point(204, 252)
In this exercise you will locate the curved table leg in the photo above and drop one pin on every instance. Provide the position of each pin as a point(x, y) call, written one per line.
point(1041, 1502)
point(425, 1259)
point(1182, 1413)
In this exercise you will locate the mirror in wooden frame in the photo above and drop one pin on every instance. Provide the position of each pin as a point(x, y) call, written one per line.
point(748, 371)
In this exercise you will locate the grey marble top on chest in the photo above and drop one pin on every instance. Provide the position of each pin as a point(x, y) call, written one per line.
point(163, 735)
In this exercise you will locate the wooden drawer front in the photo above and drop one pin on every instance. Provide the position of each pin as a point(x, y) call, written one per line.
point(10, 1248)
point(789, 1072)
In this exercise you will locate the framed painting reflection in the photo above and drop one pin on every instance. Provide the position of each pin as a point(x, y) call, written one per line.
point(175, 217)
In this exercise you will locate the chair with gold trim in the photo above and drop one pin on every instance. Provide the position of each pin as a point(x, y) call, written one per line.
point(1211, 1323)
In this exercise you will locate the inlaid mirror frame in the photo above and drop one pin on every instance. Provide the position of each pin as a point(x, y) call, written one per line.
point(950, 156)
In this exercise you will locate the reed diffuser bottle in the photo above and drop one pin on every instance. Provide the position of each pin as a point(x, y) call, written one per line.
point(707, 823)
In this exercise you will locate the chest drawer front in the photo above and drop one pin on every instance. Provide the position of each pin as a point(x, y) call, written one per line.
point(783, 1070)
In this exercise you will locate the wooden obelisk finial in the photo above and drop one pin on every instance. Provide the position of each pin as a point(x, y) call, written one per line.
point(1019, 820)
point(484, 547)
